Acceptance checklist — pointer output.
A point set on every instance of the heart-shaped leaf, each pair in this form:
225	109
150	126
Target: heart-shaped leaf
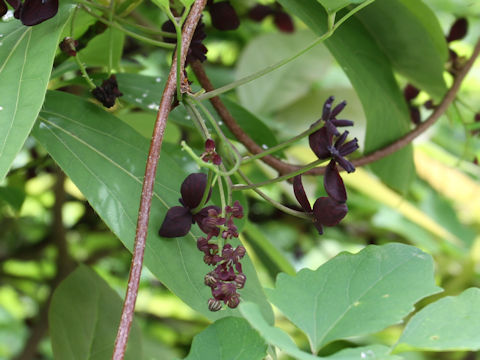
355	294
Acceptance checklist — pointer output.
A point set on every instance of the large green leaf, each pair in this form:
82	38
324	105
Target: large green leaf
106	159
277	337
355	294
411	37
26	58
449	324
371	74
228	338
145	92
83	318
284	86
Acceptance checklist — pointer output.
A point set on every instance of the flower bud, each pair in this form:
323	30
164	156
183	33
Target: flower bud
214	305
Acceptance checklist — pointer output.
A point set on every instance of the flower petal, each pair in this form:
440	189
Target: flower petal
300	194
283	22
224	16
177	222
320	141
328	212
333	183
34	12
192	189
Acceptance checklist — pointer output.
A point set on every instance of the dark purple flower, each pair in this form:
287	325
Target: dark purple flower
281	19
179	219
197	50
214	305
458	30
283	22
259	12
224	16
327	211
415	114
236	210
107	92
31	12
410	92
210	155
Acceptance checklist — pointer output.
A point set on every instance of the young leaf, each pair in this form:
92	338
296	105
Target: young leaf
355	294
449	324
228	338
106	158
26	58
371	74
83	319
277	337
417	48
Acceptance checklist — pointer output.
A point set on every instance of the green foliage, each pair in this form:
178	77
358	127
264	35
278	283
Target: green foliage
84	316
108	173
26	58
332	6
448	324
228	338
357	294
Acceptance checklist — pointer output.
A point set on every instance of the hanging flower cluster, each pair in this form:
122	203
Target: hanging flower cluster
227	276
31	12
328	143
107	92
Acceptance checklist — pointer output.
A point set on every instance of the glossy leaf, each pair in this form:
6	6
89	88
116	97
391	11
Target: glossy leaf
371	74
449	324
355	294
285	85
26	58
104	49
106	158
228	338
411	37
277	337
332	6
83	318
145	92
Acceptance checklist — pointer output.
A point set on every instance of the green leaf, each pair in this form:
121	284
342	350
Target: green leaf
228	338
410	35
162	4
26	59
99	51
449	324
83	319
277	337
13	196
355	294
282	87
105	158
371	74
332	6
145	92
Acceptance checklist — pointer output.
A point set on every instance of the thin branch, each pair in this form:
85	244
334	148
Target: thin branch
285	168
148	184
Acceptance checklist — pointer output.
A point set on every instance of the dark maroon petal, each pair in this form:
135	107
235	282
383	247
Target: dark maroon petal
3	8
410	92
259	12
320	141
209	145
328	212
34	12
337	109
327	107
348	147
341	122
318	226
224	16
331	128
345	164
333	183
283	22
170	28
300	194
458	30
177	223
14	3
415	115
192	189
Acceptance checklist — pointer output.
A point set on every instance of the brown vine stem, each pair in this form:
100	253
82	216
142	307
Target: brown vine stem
285	168
148	184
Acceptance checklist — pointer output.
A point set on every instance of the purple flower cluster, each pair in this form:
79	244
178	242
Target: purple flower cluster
328	143
227	276
107	92
31	12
